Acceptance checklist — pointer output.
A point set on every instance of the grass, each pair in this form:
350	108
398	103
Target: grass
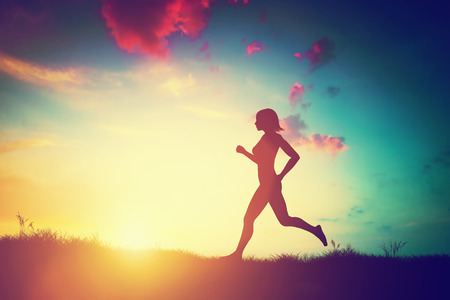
393	248
45	265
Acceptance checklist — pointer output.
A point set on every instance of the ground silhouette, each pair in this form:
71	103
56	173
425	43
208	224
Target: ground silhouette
46	265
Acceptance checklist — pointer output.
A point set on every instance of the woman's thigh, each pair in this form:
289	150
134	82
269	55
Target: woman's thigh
278	205
257	204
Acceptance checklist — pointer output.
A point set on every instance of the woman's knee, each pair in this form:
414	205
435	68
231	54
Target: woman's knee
249	220
286	220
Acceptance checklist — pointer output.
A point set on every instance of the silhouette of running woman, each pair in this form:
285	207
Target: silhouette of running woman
269	190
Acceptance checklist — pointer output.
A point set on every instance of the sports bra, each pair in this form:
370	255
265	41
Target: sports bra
265	145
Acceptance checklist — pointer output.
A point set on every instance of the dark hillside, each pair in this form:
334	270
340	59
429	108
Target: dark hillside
44	265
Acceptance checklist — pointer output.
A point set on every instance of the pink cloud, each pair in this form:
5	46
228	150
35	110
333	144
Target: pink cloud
276	35
262	17
203	53
294	128
320	53
145	27
245	2
318	50
296	93
326	143
298	55
213	68
255	46
204	47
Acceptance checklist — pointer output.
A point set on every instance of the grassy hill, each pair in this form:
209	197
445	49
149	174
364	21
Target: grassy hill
44	265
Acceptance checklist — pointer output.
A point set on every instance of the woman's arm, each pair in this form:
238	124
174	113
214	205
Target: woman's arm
240	149
294	157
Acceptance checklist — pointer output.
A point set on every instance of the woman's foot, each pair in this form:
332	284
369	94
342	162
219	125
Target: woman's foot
231	257
318	232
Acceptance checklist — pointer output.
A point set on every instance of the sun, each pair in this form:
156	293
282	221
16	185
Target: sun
133	236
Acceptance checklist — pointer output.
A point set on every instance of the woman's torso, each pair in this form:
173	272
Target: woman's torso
265	152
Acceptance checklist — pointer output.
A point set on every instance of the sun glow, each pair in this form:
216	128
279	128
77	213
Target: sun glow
133	236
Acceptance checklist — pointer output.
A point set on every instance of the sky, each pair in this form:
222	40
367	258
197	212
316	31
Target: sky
121	119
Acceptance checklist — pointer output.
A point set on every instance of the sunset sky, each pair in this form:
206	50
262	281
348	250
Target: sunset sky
121	119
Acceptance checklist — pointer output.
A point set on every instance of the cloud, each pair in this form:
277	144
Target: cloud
355	210
326	143
305	106
244	2
328	220
26	143
144	26
439	162
333	91
203	52
20	20
385	228
73	79
204	47
426	168
294	128
437	171
262	17
12	139
41	75
44	26
213	68
91	89
296	93
177	84
320	53
255	46
410	224
294	132
443	158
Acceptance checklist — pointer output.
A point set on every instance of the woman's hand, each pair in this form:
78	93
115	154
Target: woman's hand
240	149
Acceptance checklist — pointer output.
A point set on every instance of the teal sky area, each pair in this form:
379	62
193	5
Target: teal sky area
377	87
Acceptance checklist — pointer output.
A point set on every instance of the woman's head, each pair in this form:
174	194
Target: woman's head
267	120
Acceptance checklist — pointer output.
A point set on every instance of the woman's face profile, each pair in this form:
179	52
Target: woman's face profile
258	123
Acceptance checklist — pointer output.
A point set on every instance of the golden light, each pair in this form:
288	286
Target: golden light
133	236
